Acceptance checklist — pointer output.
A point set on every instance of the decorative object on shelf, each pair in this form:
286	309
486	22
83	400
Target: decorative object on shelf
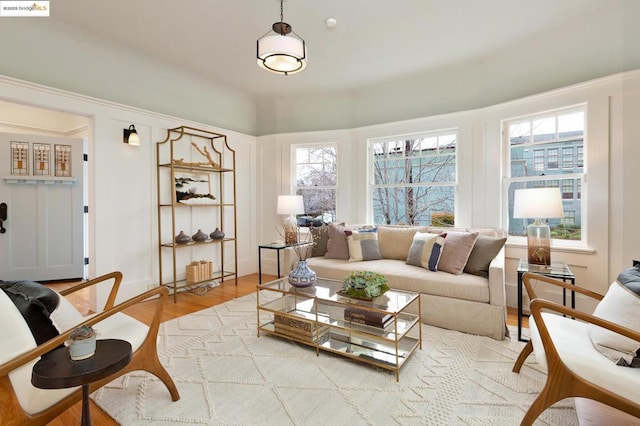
290	205
63	160
364	285
199	236
537	203
82	343
41	159
182	238
193	188
130	136
217	234
281	50
199	271
302	275
19	158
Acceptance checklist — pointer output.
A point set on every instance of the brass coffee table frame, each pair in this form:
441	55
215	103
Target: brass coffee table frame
314	316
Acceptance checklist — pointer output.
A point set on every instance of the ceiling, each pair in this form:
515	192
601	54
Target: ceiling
375	41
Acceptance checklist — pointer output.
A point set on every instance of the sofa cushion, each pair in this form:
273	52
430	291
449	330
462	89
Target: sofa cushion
337	247
456	251
320	238
621	305
483	252
363	246
407	277
425	250
395	241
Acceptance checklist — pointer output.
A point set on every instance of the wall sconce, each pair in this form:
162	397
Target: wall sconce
131	136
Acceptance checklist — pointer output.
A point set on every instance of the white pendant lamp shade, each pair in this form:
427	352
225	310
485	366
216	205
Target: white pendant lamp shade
281	50
282	54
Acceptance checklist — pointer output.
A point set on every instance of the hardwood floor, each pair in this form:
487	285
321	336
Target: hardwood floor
590	413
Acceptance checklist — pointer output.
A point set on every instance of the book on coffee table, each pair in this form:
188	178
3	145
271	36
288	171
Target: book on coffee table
361	316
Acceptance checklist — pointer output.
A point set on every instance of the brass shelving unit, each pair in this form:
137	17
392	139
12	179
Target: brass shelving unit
201	153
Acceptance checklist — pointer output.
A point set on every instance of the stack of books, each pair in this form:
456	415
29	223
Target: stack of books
304	327
362	316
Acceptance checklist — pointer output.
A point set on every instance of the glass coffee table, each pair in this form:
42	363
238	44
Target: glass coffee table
379	332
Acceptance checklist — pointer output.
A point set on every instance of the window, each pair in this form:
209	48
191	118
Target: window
567	157
413	179
567	189
316	179
560	135
552	158
538	160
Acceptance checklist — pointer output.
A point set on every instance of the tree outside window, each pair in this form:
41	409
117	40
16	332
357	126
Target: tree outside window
316	179
414	179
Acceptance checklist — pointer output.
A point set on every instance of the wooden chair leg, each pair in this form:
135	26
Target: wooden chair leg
524	354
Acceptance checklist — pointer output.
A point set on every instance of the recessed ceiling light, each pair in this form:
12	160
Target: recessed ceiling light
331	22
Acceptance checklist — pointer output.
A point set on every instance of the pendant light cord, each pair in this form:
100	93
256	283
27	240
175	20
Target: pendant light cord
281	12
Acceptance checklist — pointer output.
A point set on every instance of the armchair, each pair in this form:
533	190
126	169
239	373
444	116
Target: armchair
575	368
24	404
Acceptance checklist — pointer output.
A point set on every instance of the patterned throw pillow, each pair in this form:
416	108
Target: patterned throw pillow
425	250
363	246
621	305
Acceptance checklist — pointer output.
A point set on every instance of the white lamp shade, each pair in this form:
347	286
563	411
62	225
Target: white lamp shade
134	139
535	203
290	204
282	54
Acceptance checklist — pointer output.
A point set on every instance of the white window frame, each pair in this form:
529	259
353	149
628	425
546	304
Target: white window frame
580	176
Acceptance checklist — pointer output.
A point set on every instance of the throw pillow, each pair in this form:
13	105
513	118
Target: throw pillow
362	246
484	251
425	250
621	305
395	241
456	251
320	238
337	247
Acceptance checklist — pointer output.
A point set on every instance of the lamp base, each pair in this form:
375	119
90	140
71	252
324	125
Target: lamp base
539	243
290	230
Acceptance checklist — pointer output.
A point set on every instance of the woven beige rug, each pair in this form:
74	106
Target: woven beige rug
226	375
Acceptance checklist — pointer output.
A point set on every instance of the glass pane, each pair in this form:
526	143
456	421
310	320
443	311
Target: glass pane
519	133
569	229
553	158
570	125
319	204
544	129
417	205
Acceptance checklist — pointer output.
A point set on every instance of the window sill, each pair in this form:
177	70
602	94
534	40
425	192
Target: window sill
555	248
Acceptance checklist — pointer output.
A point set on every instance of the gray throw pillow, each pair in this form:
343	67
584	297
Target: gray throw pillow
337	247
484	251
456	251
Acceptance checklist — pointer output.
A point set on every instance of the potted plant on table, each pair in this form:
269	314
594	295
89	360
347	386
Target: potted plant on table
364	285
82	342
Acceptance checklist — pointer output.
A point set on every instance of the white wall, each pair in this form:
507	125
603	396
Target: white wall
612	103
122	183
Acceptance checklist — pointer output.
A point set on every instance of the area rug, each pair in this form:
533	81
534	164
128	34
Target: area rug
226	375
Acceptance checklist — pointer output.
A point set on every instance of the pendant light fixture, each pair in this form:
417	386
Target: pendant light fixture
281	50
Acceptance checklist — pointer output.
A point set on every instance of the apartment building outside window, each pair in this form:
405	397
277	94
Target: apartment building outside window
316	179
413	179
558	137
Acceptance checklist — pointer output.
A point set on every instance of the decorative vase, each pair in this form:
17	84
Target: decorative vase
302	275
82	349
182	238
217	234
199	236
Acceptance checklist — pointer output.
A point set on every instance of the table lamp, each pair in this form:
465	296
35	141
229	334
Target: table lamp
538	203
290	205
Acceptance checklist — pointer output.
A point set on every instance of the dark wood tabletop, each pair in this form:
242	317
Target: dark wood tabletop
57	370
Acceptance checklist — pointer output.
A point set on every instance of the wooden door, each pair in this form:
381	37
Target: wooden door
41	184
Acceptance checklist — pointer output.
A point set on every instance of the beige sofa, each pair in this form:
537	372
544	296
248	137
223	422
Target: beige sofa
465	302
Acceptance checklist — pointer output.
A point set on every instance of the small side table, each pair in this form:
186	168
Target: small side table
277	247
56	370
559	270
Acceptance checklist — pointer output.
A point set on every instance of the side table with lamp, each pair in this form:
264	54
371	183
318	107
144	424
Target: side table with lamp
539	203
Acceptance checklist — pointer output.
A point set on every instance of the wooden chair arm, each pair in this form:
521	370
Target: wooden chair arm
529	276
53	343
111	300
538	305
